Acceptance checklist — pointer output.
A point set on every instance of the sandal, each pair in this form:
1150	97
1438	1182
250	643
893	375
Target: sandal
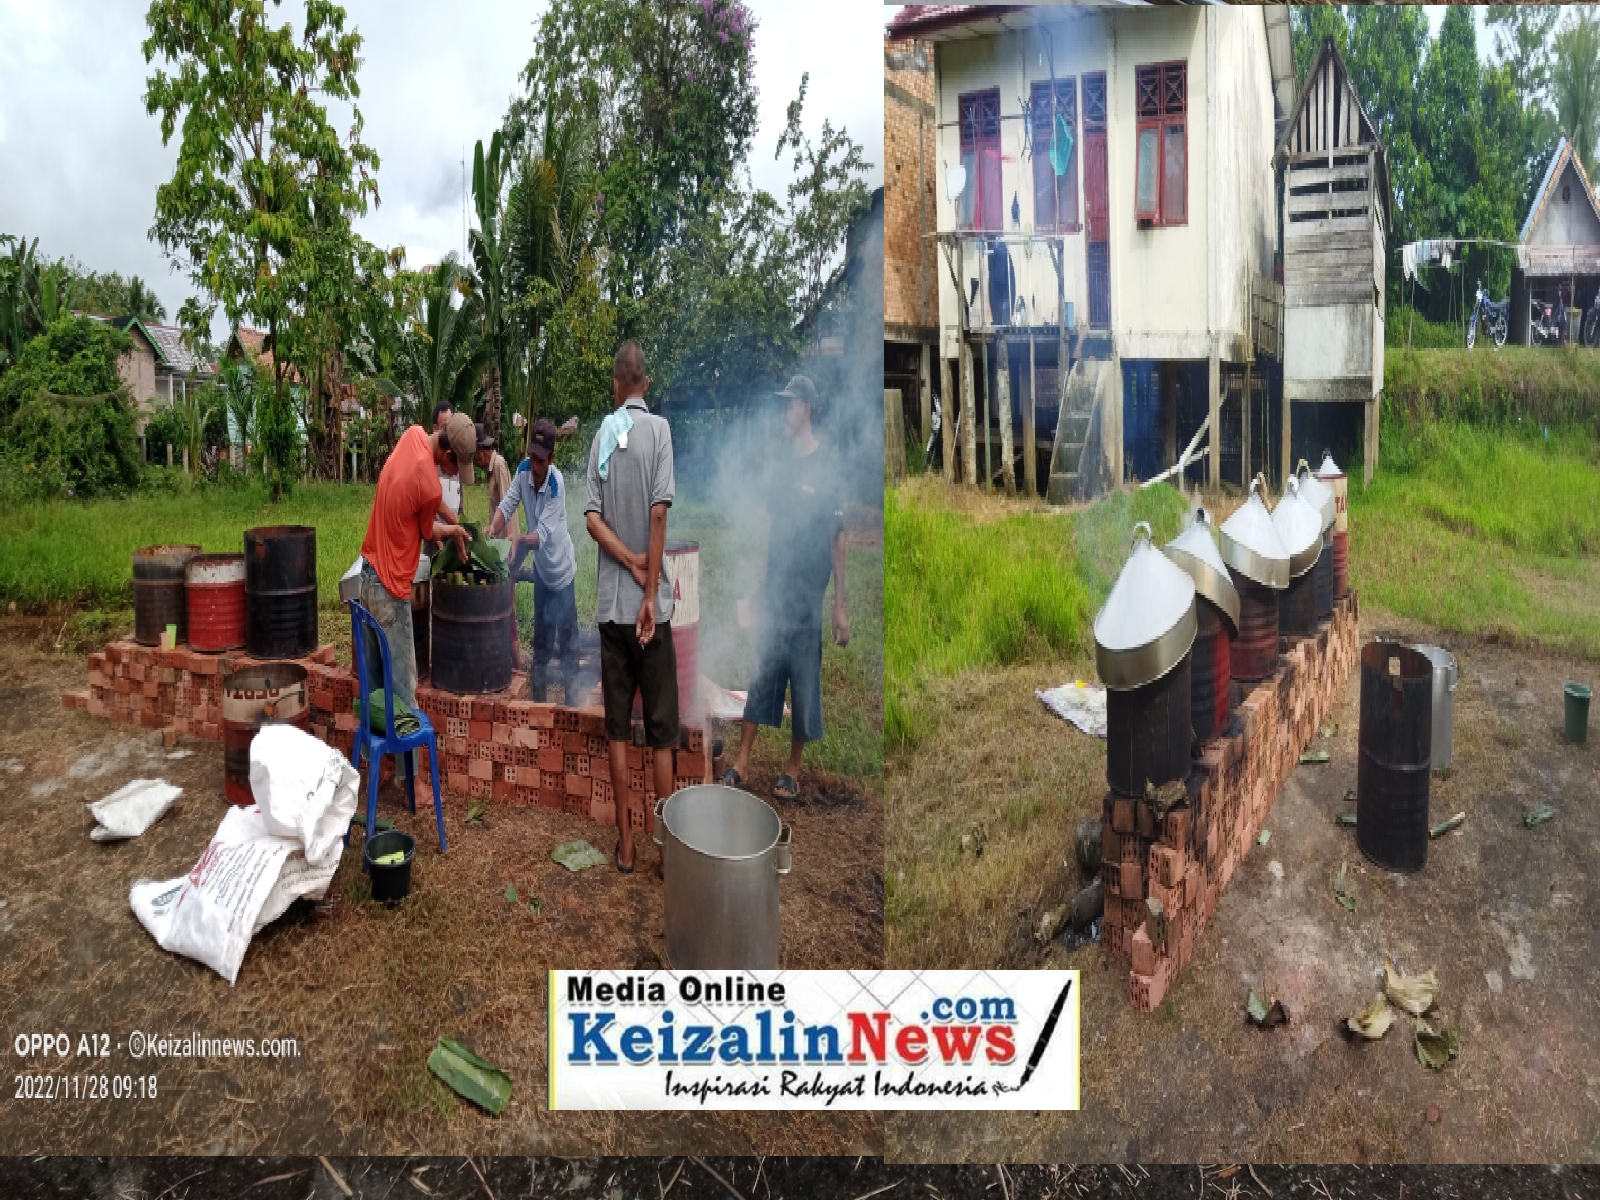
616	857
786	788
732	778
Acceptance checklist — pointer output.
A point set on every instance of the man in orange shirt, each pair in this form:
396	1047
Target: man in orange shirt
405	513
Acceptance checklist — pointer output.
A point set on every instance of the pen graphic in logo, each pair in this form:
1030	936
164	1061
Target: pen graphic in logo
1039	1047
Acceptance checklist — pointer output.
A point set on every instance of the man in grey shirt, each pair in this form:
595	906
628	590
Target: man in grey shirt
630	488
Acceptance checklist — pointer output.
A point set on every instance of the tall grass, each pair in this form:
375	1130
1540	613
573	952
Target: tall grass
1536	384
962	594
1484	530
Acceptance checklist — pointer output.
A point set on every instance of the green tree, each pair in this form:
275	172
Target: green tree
263	180
488	255
1575	83
444	350
1312	23
65	417
1523	45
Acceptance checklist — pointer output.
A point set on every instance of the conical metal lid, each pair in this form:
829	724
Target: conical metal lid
1197	554
1329	469
1148	622
1299	528
1316	493
1251	546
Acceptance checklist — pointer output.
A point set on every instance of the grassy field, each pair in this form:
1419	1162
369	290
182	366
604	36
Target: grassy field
1485	531
1532	385
994	584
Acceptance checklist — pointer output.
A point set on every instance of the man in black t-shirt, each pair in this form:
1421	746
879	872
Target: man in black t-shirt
804	548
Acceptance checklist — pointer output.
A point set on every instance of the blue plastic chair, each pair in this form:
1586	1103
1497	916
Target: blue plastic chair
391	742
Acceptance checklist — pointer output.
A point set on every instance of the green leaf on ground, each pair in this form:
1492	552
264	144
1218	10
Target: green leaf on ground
1436	1047
1346	819
485	1084
578	855
1444	827
475	812
1313	758
1538	816
1264	837
1349	795
511	895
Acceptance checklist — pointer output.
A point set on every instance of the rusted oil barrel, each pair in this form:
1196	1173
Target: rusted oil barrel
1336	480
1396	743
158	599
1149	732
470	632
1254	655
1341	564
420	641
214	590
280	585
1297	605
1210	666
263	694
1324	578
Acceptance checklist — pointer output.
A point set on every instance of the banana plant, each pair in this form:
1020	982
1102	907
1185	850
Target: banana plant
488	255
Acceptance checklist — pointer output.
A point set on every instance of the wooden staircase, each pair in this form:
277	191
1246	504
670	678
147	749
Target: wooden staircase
1072	432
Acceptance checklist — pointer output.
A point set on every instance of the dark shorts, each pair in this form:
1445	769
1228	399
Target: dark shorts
791	660
652	671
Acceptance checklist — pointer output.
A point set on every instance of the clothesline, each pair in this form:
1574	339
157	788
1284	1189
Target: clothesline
1430	251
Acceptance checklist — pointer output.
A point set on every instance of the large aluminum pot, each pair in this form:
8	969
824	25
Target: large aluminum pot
722	851
1444	703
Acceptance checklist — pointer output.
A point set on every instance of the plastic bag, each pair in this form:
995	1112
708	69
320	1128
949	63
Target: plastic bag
132	809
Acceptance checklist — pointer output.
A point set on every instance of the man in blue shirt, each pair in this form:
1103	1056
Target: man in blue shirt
537	488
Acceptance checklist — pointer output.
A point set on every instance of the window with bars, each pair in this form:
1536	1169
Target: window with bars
980	156
1055	134
1161	186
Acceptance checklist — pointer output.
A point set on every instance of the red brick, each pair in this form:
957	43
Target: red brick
549	798
502	790
603	811
480	731
553	781
552	760
480	768
1123	817
501	733
1147	991
1142	953
577	785
1131	881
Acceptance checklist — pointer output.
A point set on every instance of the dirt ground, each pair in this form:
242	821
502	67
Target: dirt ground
766	1179
1502	913
363	990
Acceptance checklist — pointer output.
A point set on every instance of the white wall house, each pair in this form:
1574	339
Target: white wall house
1163	222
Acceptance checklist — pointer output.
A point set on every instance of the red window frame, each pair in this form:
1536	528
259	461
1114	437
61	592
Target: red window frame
979	114
1063	195
1161	104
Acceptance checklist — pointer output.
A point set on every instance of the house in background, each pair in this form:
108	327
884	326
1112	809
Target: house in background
1106	229
1558	249
1337	206
160	368
910	256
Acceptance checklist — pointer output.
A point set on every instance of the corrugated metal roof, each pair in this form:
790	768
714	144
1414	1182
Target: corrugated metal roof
169	340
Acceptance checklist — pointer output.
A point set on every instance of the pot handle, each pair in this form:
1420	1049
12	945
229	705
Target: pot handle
781	858
1148	536
655	822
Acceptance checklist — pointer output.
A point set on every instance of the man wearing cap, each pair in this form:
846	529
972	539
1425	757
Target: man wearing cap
495	471
538	489
405	513
630	488
804	548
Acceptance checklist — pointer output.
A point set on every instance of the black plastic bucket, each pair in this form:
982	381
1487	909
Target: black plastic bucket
1149	732
390	884
1396	745
280	591
471	648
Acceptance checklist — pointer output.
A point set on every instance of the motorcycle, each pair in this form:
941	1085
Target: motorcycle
1548	323
1589	331
1495	319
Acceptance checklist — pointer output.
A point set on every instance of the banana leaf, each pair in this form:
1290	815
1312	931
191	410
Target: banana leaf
470	1077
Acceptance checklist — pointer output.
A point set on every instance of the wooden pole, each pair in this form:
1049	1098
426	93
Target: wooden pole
1008	461
948	405
1030	448
1244	425
988	440
1371	456
969	417
894	437
1214	387
1283	456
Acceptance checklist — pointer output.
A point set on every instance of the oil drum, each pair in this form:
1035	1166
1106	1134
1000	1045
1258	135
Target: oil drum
1254	655
214	588
1149	732
263	694
280	586
158	592
470	631
1211	697
420	641
1396	744
1297	605
1324	581
1341	564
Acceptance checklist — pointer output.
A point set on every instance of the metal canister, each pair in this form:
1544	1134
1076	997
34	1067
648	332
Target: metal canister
1256	558
214	589
1217	624
722	853
263	694
158	592
1330	474
1299	527
280	585
1396	745
470	623
1444	703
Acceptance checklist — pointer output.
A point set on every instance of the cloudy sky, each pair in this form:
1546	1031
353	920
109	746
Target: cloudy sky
80	161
